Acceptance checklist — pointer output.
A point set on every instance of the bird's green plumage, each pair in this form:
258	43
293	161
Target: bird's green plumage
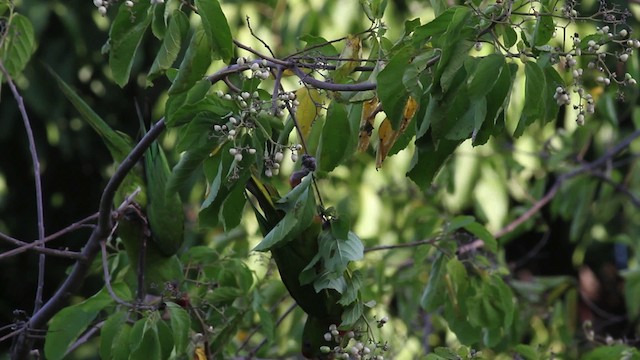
291	259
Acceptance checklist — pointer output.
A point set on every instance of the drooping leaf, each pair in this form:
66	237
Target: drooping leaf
145	343
335	134
194	65
534	102
310	102
171	45
217	29
434	294
109	332
125	37
17	46
392	93
485	75
180	326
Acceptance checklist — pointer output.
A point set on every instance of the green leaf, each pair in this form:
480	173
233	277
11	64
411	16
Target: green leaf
429	158
483	234
268	324
354	283
125	37
189	163
70	322
119	144
231	211
180	326
120	348
109	333
434	294
171	45
18	45
144	340
485	75
335	134
534	102
527	352
338	253
299	205
618	351
194	104
436	27
509	36
392	92
194	65
543	30
352	314
217	29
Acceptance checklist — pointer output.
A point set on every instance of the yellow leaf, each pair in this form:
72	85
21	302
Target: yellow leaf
352	51
366	123
199	354
310	103
388	136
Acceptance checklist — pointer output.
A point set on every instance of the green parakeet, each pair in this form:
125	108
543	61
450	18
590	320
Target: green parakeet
291	259
155	215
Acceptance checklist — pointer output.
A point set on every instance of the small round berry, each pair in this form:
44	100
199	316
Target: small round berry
325	349
217	127
298	146
232	132
624	57
478	46
97	3
227	96
245	95
233	120
294	156
605	29
255	66
580	119
632	81
240	61
277	157
334	332
233	151
591	43
327	336
623	33
276	171
219	93
238	157
333	327
243	104
129	3
102	10
268	173
607	81
252	151
600	79
256	95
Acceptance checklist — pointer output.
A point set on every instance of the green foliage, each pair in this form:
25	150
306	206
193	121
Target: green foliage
453	89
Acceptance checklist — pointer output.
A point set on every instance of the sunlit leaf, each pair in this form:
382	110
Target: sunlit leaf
366	123
18	45
195	63
310	102
217	29
171	45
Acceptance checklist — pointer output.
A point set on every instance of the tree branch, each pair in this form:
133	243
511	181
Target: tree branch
22	344
37	180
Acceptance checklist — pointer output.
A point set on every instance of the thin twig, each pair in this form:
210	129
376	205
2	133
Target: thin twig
38	183
403	245
85	337
24	246
258	38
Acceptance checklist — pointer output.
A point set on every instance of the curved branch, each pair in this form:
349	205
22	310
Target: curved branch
22	344
308	79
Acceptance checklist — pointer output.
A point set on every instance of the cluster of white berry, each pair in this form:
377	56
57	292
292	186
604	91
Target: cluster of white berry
595	47
352	347
259	69
103	5
272	161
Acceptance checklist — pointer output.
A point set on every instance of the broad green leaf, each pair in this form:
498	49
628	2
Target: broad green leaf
435	293
352	314
509	36
429	158
543	30
616	351
144	340
194	65
436	27
180	326
470	122
18	45
125	37
217	29
459	222
459	53
391	92
171	45
120	348
335	134
194	104
189	163
319	44
299	205
109	333
231	211
534	102
70	322
223	295
338	253
119	144
485	75
452	44
354	283
483	234
165	338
